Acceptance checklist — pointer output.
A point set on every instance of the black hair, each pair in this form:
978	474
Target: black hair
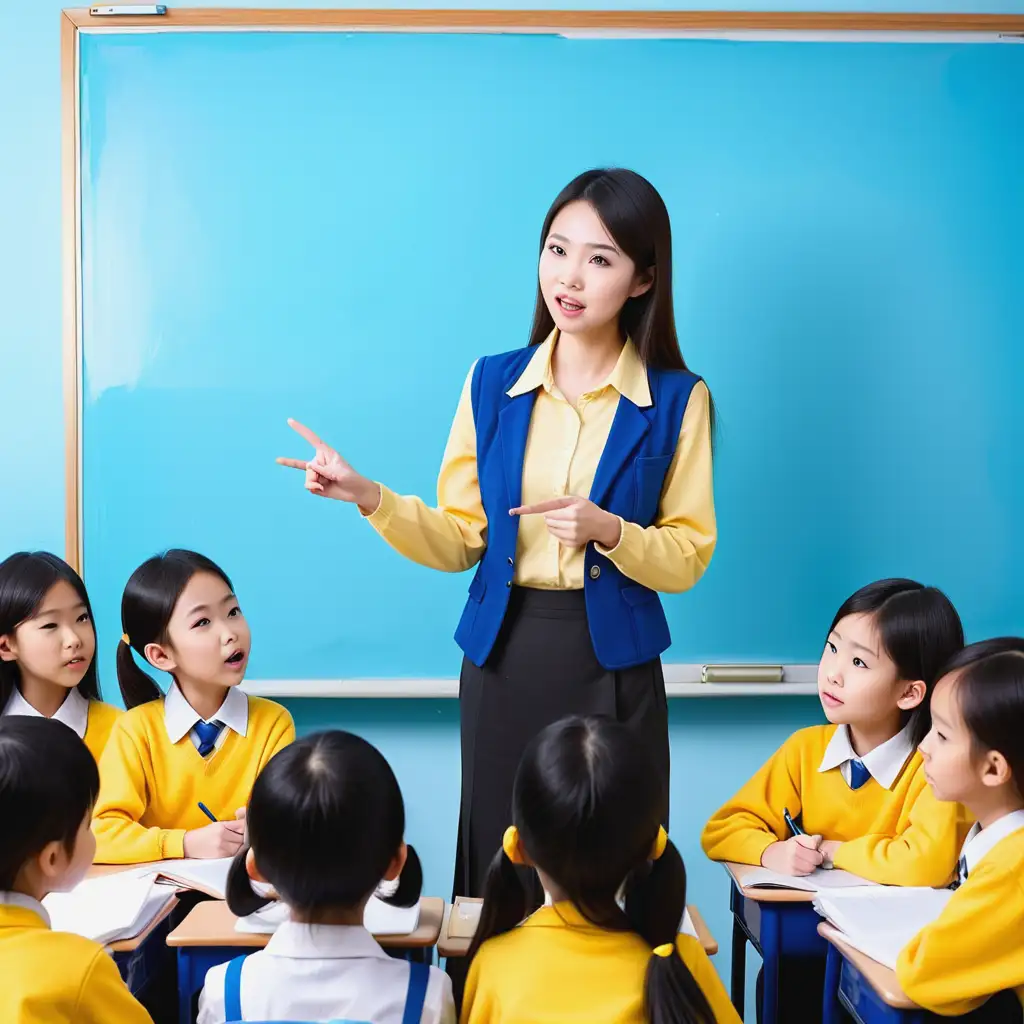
48	784
990	692
919	629
146	608
324	821
25	579
588	803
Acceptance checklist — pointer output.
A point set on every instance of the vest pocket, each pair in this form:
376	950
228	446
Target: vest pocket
650	479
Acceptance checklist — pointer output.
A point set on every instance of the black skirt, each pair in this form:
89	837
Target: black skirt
542	668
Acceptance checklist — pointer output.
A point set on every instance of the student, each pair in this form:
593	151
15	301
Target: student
48	784
205	741
857	784
326	825
48	647
974	755
587	807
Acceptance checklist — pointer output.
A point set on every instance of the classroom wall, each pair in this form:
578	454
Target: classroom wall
716	743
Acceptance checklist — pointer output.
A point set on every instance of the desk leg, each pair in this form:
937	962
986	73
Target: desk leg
831	1011
771	952
185	987
739	965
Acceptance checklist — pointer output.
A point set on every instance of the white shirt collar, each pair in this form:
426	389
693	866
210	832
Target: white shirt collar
297	941
884	762
180	716
19	899
74	712
980	840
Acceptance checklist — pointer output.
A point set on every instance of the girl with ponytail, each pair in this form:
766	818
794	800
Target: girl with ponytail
174	760
326	829
586	810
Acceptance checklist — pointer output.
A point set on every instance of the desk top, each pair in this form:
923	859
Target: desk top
459	946
212	924
737	872
130	945
878	976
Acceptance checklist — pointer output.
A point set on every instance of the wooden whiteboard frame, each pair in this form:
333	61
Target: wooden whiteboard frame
709	23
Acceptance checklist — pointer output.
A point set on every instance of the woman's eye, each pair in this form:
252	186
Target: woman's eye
234	611
200	622
857	663
831	646
601	261
48	625
941	736
557	250
84	617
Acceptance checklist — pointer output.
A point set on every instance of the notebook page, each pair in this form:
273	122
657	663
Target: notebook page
763	878
881	921
208	876
108	908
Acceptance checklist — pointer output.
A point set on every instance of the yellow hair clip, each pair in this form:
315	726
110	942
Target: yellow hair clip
666	951
125	640
510	844
660	842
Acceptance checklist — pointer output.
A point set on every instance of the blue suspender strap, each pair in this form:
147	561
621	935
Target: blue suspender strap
233	989
419	975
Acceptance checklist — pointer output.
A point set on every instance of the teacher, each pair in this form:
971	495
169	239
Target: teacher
577	478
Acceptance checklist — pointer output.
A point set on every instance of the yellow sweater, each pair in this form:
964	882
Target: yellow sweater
557	967
976	947
97	730
150	789
58	978
897	836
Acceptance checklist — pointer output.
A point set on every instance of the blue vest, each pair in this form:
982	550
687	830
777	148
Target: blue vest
627	622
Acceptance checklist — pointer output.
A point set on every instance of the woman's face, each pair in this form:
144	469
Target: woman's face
584	277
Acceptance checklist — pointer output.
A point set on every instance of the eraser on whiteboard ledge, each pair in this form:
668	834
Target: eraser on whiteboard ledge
741	674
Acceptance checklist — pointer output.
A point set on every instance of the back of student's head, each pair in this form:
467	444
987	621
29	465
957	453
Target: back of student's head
587	803
919	629
48	784
25	579
146	608
990	692
325	822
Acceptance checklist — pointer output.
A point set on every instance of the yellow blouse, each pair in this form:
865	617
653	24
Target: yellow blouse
562	453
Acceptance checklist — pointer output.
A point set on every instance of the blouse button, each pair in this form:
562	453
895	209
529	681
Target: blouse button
595	572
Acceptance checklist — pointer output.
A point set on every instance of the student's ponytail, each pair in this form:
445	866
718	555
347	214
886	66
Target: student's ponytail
136	686
410	883
504	902
146	608
242	898
655	904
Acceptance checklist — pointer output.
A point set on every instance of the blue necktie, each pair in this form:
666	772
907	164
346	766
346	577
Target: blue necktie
207	733
858	773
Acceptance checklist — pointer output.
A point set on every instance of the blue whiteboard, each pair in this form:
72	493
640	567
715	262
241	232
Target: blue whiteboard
334	226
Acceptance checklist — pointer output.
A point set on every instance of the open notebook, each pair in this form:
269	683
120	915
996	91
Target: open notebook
762	878
881	921
110	908
206	876
379	919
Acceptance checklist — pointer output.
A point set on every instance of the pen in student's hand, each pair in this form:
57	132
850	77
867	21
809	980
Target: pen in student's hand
793	826
206	810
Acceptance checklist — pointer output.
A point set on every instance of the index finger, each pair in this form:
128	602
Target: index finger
303	431
541	506
293	463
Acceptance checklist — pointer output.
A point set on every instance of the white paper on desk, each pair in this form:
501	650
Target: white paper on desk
880	921
379	919
762	878
208	876
108	908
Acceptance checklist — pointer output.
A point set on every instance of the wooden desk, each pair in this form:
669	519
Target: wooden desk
778	923
207	937
448	946
867	990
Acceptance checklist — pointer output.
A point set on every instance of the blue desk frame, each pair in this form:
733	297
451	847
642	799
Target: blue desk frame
775	930
139	966
846	988
195	961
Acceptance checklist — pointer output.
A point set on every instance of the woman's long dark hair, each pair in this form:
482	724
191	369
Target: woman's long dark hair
25	579
588	802
636	217
919	629
990	692
325	820
146	608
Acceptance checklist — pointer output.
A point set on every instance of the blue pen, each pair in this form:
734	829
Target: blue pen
793	826
213	817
